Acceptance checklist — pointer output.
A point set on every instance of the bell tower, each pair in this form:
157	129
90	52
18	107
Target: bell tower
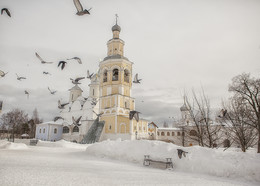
115	72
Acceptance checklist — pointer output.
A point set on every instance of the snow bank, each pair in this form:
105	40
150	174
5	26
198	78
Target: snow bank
12	146
217	162
62	143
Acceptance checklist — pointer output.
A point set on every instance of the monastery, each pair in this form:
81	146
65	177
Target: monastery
109	94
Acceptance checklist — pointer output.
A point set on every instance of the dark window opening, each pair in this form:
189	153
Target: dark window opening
105	76
66	129
115	75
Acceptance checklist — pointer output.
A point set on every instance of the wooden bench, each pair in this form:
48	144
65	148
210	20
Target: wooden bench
148	160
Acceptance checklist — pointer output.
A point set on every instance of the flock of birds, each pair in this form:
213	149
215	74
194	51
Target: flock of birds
77	4
62	64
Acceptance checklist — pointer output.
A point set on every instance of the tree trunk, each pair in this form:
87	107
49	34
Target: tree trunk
258	145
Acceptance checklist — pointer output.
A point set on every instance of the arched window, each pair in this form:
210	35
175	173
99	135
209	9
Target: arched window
40	131
178	133
162	133
158	133
55	131
193	133
183	134
66	129
126	75
105	76
115	75
43	130
173	134
168	133
75	129
126	104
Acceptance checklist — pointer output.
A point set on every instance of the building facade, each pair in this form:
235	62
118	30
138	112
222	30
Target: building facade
115	93
110	95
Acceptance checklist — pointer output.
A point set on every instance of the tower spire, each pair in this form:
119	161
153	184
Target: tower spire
116	18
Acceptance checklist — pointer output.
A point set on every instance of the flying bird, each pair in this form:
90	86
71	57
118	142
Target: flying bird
89	75
98	115
52	92
26	92
134	114
94	101
62	63
2	73
57	117
76	121
42	61
6	10
223	113
20	77
76	58
181	152
76	81
80	8
61	106
46	73
136	80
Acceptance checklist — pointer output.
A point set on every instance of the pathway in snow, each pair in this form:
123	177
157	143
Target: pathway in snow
66	166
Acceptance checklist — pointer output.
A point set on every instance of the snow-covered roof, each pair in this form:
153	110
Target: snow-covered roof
58	122
24	135
76	87
173	128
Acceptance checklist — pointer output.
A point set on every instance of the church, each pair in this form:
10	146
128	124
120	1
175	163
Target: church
109	94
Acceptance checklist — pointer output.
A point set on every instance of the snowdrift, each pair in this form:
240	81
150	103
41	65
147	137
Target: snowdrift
216	162
62	143
12	146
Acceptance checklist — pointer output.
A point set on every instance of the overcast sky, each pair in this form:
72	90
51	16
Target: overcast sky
175	45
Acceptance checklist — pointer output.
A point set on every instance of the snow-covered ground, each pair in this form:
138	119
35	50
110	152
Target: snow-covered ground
121	163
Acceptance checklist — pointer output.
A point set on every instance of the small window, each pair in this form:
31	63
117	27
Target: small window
66	129
76	129
55	131
162	133
178	133
168	133
105	76
93	92
40	131
126	76
183	134
43	131
115	75
110	127
173	134
158	133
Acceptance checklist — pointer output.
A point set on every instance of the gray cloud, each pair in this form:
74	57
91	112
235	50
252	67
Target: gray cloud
175	46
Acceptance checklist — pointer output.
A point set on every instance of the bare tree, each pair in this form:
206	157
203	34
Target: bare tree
14	120
235	119
201	129
247	91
